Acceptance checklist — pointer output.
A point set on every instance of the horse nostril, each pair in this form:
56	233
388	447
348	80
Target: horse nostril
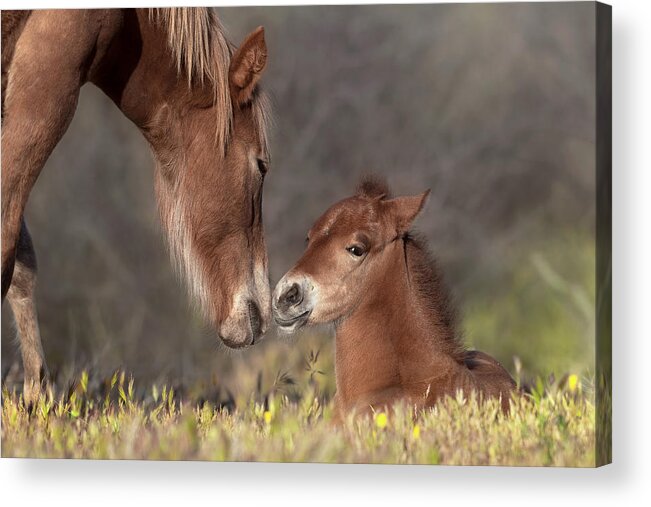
255	319
293	295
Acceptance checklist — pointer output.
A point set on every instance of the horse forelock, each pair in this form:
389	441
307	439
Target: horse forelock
198	43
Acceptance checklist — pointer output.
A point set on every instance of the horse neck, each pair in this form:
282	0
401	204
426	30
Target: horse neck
390	338
139	73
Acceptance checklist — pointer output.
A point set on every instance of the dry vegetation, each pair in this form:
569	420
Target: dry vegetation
553	426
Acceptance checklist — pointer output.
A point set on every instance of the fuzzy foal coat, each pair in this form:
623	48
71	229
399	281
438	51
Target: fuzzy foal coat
401	343
396	336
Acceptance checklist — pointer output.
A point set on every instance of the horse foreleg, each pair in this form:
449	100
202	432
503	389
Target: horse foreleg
43	81
23	305
27	141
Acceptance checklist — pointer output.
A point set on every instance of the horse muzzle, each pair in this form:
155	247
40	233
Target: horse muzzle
245	326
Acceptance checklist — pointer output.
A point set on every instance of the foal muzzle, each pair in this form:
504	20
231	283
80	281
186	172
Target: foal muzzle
292	303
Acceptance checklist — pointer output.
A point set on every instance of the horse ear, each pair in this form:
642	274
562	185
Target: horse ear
404	210
247	65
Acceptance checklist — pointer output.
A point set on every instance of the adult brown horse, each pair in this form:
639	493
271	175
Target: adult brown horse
395	327
196	100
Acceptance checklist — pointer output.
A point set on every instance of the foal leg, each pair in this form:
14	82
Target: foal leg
23	306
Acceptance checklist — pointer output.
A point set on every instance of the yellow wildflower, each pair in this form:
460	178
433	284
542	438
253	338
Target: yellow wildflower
267	416
573	382
381	420
416	432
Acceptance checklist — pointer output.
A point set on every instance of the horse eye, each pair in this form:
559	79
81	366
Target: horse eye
356	250
262	167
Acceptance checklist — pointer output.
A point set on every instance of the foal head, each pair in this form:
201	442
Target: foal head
349	249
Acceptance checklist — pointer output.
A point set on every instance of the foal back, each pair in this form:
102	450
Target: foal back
491	379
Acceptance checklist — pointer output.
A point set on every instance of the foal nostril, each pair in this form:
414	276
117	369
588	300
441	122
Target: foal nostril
292	296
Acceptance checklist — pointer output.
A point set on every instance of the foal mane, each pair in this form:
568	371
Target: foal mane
425	276
434	295
203	54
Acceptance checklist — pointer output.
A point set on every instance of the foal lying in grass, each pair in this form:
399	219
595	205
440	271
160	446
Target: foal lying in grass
396	337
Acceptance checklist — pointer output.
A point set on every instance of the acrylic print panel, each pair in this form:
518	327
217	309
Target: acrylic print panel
432	281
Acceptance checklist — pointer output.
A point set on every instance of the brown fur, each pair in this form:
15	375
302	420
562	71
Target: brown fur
196	100
396	332
12	26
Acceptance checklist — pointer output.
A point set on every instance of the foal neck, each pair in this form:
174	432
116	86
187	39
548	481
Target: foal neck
392	339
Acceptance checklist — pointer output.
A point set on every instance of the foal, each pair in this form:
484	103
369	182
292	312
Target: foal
396	337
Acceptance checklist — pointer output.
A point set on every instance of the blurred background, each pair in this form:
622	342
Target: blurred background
490	106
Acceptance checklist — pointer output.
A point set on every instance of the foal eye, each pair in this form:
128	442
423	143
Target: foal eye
356	250
262	167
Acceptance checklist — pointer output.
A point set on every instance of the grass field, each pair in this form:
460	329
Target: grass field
553	426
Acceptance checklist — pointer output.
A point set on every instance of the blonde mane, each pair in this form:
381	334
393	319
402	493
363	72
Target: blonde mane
203	54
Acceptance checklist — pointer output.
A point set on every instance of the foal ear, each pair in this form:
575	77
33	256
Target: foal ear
247	65
403	210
